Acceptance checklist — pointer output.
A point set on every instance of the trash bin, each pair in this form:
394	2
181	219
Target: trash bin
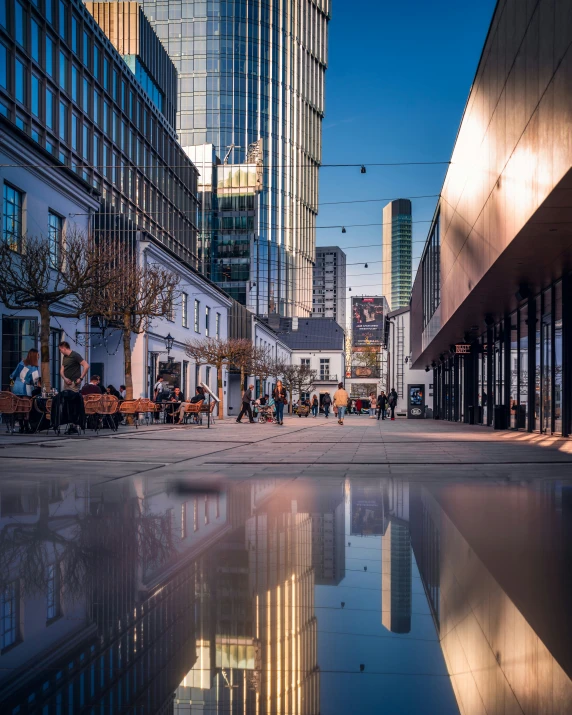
499	417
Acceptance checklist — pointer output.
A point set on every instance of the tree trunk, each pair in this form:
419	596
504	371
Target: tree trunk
220	393
45	344
127	356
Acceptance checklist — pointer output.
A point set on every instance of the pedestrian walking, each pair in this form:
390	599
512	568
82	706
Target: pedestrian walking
280	396
341	400
381	405
392	402
372	403
315	406
326	404
359	405
246	408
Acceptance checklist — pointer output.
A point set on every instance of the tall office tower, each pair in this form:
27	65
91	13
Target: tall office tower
396	253
329	291
250	71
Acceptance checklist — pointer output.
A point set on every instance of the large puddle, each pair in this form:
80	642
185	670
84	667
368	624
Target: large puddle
355	596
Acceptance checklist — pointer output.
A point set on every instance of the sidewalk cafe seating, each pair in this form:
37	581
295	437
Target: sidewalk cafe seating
206	408
67	408
101	408
132	408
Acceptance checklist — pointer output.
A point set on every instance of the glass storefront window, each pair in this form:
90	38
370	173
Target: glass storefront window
537	362
523	409
513	376
558	358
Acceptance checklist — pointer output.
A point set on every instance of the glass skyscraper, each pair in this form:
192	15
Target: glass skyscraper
253	70
396	253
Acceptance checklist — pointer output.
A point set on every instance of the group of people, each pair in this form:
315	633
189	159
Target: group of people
386	404
175	400
276	403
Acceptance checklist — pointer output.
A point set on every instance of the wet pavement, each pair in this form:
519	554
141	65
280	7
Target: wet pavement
405	567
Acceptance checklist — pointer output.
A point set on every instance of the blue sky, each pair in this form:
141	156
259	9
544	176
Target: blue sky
398	77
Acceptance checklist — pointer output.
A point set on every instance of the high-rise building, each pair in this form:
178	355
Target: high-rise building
396	253
329	290
251	72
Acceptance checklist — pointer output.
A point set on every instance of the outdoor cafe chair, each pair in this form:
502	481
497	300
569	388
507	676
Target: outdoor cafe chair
132	408
91	405
192	408
206	408
8	408
108	408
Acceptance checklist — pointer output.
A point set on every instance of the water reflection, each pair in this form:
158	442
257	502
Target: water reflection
284	597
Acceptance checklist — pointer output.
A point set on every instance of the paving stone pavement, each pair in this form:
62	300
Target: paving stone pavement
414	449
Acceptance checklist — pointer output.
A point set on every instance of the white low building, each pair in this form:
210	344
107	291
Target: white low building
318	343
38	202
200	312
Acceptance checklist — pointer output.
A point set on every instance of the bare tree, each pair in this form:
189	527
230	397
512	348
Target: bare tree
219	354
44	276
264	365
244	359
298	378
136	295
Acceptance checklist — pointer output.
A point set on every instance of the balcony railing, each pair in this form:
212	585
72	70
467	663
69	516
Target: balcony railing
327	377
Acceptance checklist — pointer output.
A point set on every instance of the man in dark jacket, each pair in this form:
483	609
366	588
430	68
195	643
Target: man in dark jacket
326	404
392	402
381	405
246	408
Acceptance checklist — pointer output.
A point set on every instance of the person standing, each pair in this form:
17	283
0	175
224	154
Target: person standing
341	400
381	405
74	367
326	404
372	404
359	405
280	396
246	408
26	374
392	402
315	406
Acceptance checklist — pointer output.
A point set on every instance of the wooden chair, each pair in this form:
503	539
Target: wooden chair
206	408
108	408
91	405
8	405
131	408
192	408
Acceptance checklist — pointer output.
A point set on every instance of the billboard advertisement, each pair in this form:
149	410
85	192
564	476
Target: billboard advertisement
367	510
367	321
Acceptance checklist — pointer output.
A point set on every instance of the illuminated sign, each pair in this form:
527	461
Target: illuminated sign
462	349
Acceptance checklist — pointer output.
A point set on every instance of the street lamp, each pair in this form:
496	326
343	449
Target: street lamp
169	342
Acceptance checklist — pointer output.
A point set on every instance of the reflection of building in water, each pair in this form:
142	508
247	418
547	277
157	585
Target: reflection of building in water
328	547
396	558
366	509
495	563
110	608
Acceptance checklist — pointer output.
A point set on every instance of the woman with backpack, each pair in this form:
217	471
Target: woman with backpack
315	406
326	404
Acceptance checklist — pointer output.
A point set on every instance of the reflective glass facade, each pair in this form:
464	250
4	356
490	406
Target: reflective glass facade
66	86
251	70
396	253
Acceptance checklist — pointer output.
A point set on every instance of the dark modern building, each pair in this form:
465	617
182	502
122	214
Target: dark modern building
252	71
396	253
492	299
65	85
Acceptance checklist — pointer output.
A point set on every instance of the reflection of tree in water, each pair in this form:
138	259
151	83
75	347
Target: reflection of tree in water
89	546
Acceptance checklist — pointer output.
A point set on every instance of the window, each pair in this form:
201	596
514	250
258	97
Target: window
12	217
324	368
35	41
49	109
217	505
20	82
62	20
18	336
184	520
75	132
63	121
63	71
35	99
55	235
196	515
206	509
10	615
305	362
85	146
197	316
3	66
85	49
217	326
74	34
19	24
53	603
185	310
49	56
207	320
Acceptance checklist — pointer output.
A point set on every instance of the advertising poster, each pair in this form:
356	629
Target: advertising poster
367	510
367	321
